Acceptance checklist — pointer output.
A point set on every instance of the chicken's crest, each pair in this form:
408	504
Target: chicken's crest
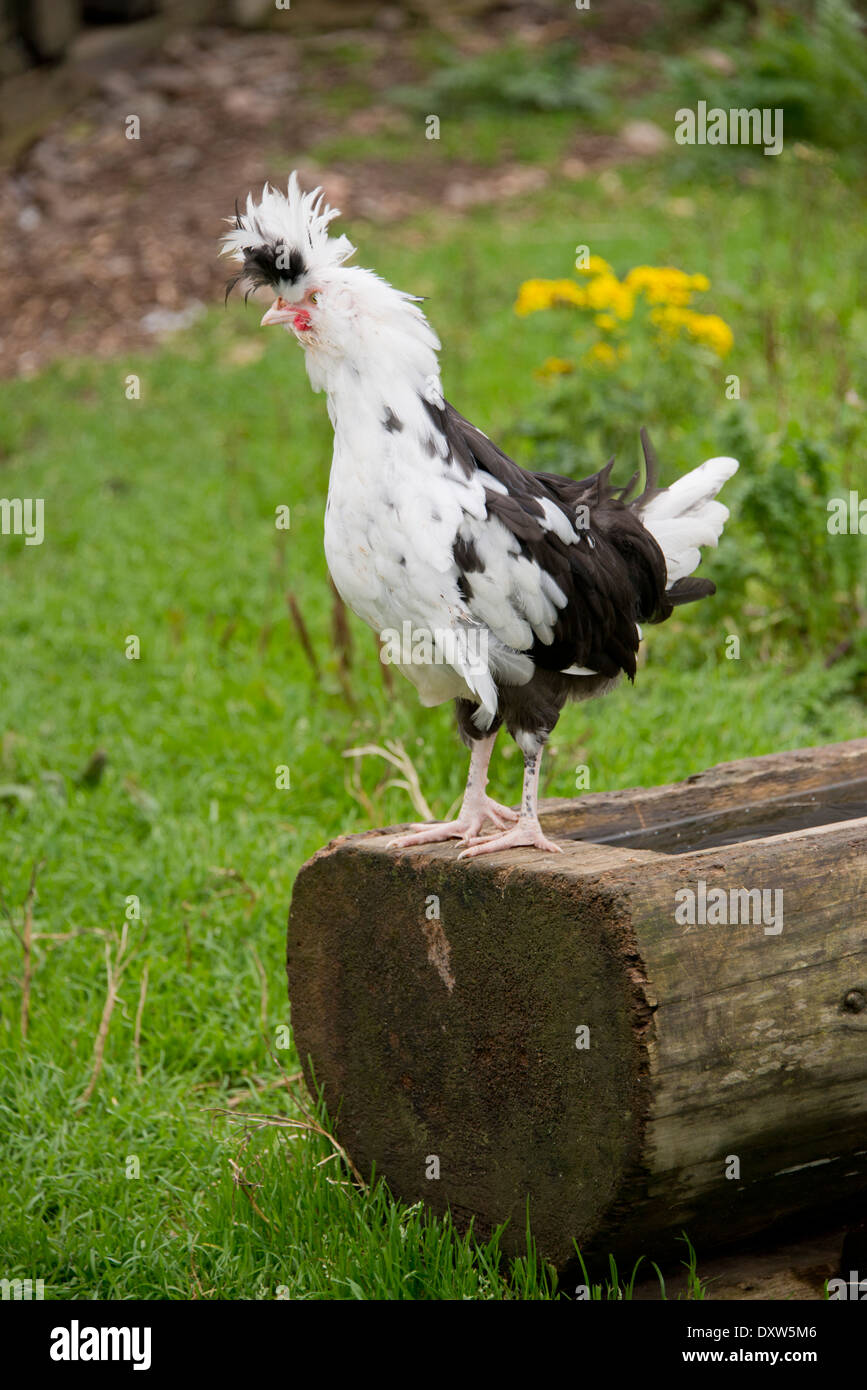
283	239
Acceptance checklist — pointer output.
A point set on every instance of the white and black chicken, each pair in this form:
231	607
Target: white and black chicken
531	586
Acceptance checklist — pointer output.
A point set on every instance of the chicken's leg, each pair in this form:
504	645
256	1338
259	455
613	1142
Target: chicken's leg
476	807
527	831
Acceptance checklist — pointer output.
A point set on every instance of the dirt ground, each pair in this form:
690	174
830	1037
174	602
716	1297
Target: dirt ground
108	242
794	1271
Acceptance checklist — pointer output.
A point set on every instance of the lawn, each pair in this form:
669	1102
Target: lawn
160	525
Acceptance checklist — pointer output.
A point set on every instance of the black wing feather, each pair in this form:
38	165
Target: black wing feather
613	577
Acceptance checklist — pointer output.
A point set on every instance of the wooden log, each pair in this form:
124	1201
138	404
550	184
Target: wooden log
720	1086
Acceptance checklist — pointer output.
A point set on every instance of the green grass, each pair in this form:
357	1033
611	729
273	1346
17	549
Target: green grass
486	138
618	1287
160	523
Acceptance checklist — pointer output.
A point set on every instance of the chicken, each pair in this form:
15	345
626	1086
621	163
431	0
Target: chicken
518	591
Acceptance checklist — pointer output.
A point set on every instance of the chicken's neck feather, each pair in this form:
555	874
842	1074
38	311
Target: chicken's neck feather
376	360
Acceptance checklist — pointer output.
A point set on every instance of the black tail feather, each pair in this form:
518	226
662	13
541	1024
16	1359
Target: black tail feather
688	590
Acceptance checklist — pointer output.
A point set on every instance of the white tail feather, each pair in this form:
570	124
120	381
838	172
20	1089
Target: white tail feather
685	516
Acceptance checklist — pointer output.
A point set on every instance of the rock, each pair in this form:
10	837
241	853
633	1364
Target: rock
680	207
717	61
644	137
574	168
511	183
248	104
29	218
520	178
336	187
249	14
162	322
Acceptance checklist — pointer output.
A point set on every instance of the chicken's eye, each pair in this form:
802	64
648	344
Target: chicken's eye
314	298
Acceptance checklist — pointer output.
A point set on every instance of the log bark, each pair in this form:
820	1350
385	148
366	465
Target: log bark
722	1089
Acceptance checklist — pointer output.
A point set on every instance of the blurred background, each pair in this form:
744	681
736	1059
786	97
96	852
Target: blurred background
515	163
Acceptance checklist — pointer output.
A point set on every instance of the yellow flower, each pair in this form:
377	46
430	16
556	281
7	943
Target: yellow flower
595	266
607	292
669	320
544	294
665	284
555	366
708	329
603	353
533	295
668	291
711	330
567	292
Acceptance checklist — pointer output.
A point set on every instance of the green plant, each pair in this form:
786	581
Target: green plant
626	348
796	575
616	1290
513	77
811	63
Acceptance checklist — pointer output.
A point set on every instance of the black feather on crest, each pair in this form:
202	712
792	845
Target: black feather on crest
268	263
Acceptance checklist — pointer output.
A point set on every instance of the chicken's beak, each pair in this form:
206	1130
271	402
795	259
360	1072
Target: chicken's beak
280	312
